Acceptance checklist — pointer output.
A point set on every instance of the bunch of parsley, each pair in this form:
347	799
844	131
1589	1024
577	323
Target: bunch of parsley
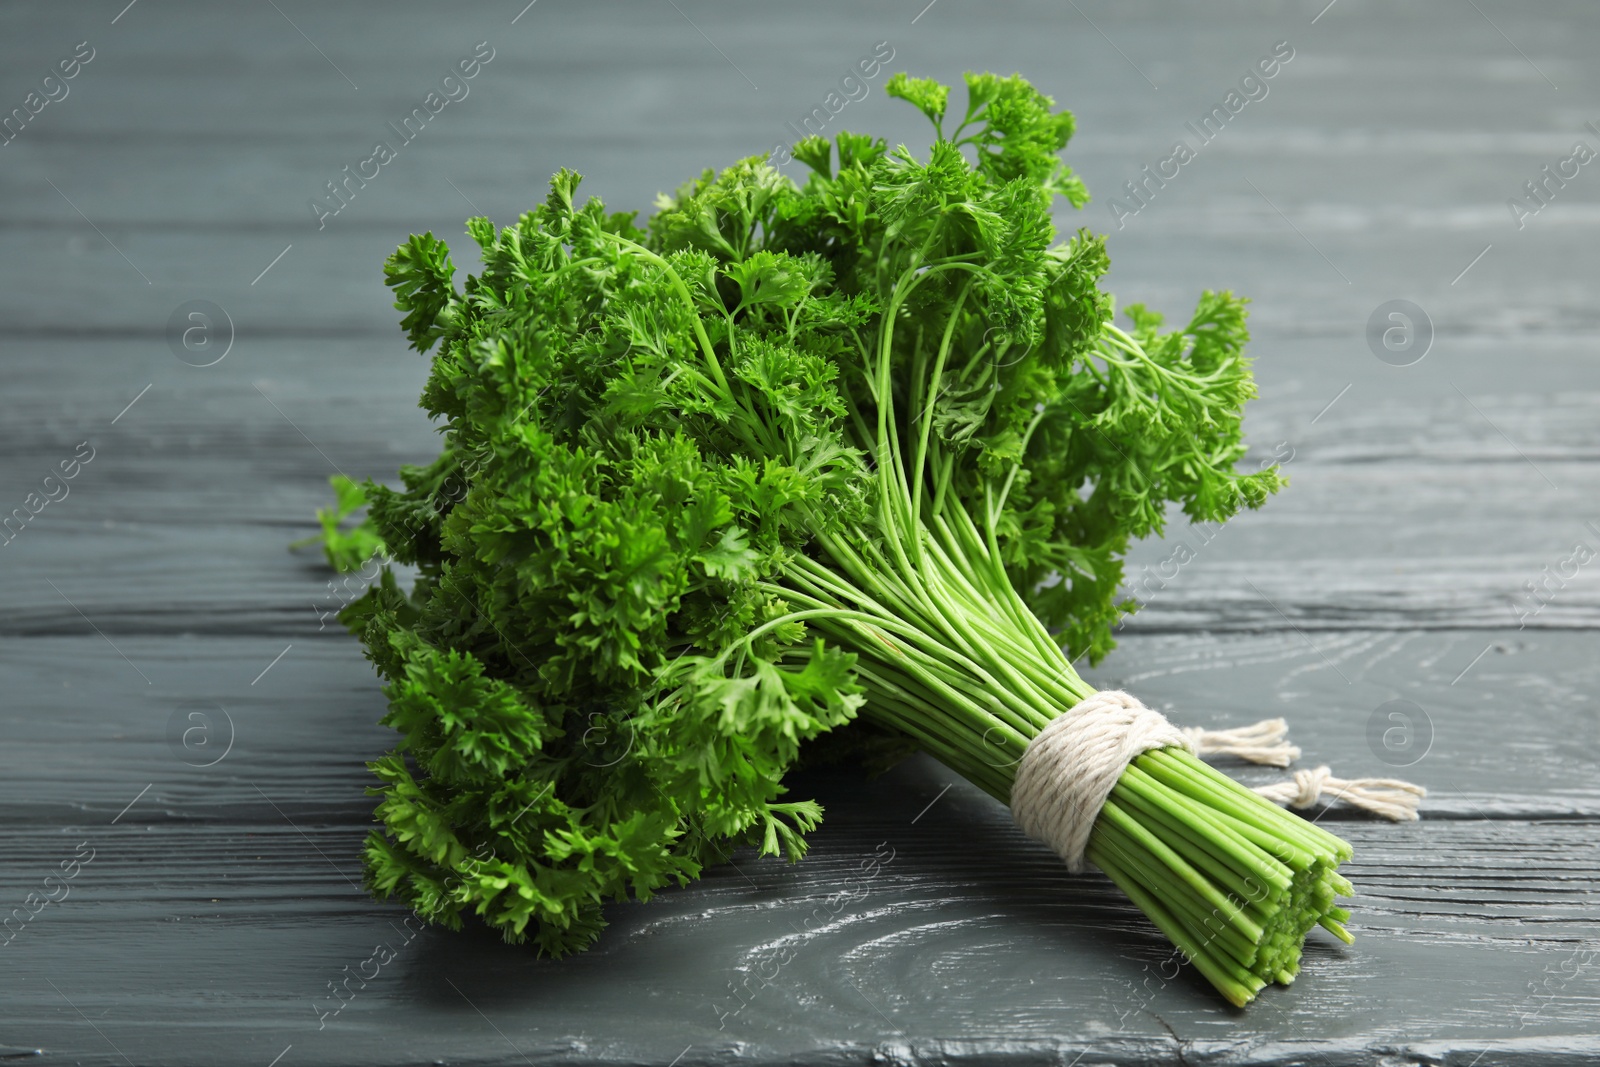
784	457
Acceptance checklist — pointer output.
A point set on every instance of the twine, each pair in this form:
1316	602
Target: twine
1265	742
1389	797
1069	769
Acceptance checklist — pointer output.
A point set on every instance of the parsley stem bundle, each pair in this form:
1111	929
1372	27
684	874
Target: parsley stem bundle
951	656
844	463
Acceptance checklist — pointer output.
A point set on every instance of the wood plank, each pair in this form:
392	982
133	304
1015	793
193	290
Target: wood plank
206	929
1407	507
1516	738
1404	196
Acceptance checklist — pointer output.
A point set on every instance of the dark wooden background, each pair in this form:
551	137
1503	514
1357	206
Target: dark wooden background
222	900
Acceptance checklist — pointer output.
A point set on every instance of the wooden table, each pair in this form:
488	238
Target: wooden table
177	705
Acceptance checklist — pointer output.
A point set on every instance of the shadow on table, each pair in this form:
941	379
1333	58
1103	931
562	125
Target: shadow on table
955	882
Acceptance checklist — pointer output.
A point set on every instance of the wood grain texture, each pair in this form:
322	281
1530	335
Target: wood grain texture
159	597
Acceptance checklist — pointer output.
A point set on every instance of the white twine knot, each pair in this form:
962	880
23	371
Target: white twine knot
1388	797
1069	769
1265	742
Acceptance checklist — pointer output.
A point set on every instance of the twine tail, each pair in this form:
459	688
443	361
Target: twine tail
1391	798
1265	742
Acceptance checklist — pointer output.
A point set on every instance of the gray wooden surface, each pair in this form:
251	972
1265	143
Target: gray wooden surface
221	902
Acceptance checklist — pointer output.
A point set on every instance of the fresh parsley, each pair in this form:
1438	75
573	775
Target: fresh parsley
782	458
